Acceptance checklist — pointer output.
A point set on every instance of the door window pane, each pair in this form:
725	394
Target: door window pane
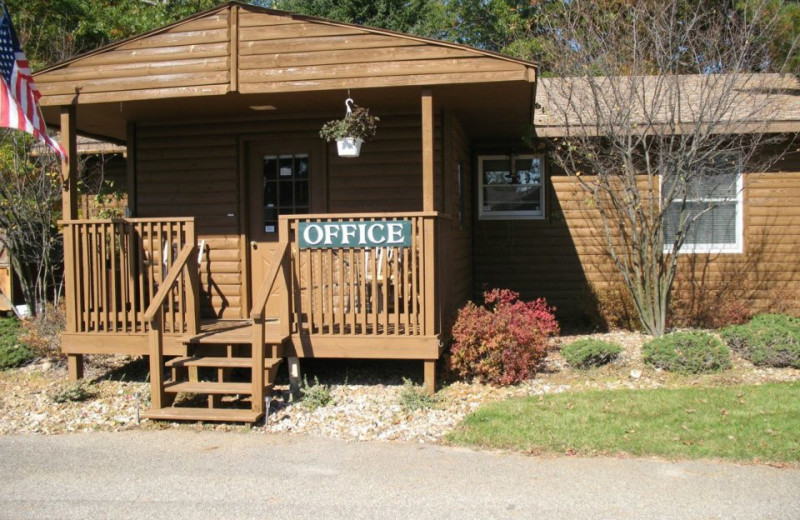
286	190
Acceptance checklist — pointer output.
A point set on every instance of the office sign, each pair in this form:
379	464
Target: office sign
353	235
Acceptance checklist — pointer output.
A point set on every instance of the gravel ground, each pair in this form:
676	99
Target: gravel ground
366	396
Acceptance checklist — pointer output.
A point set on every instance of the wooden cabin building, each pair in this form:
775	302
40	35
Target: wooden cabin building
250	240
221	115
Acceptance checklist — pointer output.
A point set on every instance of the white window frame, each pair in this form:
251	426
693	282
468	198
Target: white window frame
738	246
512	214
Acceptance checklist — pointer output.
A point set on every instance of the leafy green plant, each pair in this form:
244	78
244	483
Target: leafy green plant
413	398
767	340
316	395
357	124
589	352
687	352
13	353
74	392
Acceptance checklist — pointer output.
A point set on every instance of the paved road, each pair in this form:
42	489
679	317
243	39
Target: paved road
180	474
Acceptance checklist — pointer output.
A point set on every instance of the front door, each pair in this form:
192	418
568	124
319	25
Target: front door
285	178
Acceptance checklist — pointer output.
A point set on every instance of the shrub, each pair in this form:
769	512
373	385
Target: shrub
769	339
587	353
74	392
610	308
687	352
13	353
316	395
504	341
697	306
413	398
42	333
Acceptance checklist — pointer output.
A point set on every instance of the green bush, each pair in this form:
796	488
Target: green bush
587	353
316	395
12	352
74	392
413	398
768	340
687	352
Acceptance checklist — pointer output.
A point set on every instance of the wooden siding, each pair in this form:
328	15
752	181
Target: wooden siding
388	174
186	170
192	170
458	256
283	53
558	257
191	58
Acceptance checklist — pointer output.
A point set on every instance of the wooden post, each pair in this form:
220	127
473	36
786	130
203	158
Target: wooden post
130	165
427	151
294	374
156	338
286	301
430	376
257	376
192	295
69	166
69	205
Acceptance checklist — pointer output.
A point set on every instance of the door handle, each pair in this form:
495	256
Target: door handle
253	244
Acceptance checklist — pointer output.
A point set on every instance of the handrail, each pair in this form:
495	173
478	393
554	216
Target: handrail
172	276
259	307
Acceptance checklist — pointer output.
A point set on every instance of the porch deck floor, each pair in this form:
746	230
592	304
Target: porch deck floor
233	332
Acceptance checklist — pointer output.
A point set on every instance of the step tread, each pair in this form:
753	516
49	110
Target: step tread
218	362
209	387
203	414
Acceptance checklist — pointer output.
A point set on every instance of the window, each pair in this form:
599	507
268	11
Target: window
285	182
511	187
716	194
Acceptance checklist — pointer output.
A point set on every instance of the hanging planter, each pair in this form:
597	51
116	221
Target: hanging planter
351	131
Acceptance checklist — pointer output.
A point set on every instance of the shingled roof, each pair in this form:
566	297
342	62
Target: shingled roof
759	102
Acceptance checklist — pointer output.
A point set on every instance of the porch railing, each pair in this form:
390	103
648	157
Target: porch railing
113	269
379	291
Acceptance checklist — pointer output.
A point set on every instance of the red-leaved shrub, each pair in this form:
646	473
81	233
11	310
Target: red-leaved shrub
504	341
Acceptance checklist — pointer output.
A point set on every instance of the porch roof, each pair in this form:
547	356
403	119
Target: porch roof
239	60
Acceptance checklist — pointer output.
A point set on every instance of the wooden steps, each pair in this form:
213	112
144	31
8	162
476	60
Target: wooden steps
203	414
222	353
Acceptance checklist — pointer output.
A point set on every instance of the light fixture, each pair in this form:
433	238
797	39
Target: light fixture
261	108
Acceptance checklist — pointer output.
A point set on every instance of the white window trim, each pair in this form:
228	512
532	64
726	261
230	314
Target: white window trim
514	214
735	248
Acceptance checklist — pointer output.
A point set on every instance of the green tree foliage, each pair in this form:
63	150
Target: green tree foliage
429	18
55	30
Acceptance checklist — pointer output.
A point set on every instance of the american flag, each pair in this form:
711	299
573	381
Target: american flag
18	92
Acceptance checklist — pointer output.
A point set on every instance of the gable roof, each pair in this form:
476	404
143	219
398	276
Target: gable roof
249	49
758	102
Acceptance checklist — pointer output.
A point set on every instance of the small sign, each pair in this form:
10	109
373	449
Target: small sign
353	235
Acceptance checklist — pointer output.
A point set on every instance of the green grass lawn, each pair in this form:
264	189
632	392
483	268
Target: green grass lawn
744	423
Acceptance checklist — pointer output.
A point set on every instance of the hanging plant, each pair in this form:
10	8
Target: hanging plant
349	132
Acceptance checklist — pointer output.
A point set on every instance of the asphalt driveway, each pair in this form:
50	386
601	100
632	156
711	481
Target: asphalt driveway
184	474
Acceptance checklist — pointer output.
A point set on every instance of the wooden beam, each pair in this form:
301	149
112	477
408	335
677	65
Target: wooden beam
428	201
234	46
